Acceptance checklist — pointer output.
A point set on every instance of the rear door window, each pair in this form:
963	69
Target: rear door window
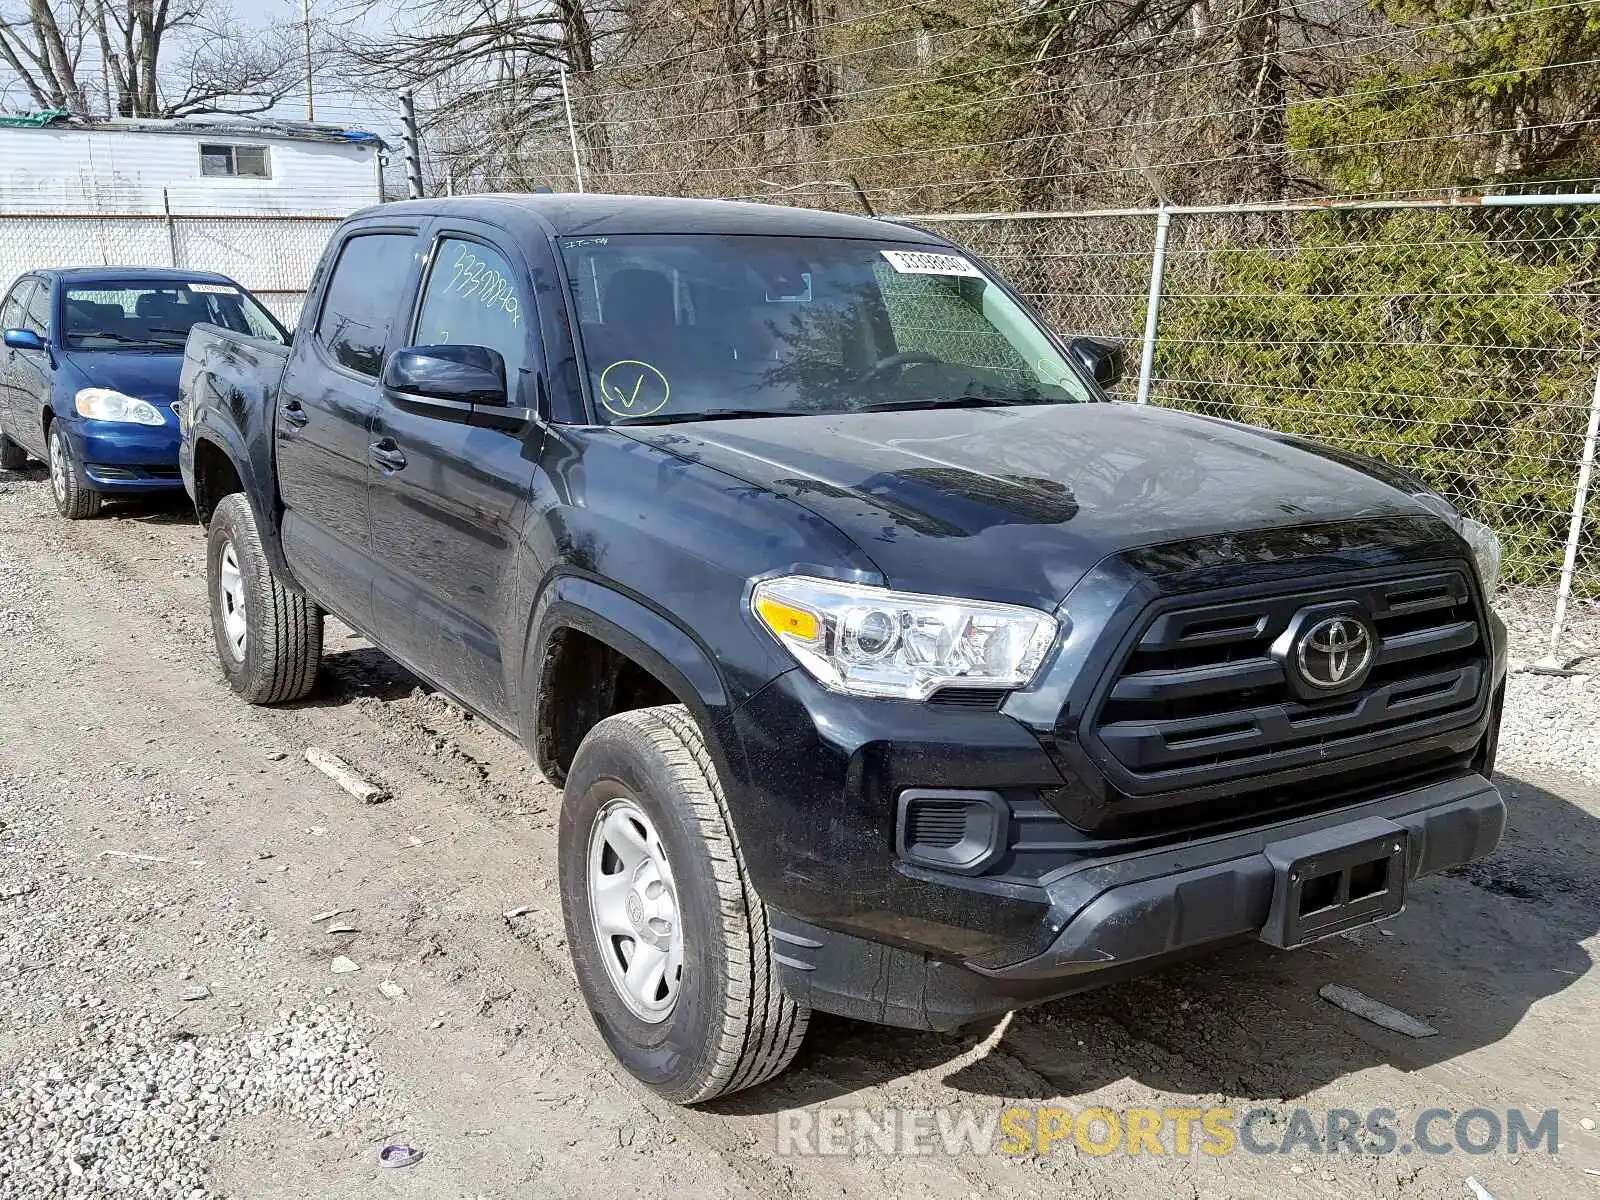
472	298
362	298
15	304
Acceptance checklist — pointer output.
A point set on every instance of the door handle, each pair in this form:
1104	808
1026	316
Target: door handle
387	455
294	413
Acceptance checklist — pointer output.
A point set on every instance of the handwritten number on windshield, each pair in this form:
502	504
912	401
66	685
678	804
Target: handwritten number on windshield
474	278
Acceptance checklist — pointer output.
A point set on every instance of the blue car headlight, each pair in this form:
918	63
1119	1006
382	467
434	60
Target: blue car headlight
106	404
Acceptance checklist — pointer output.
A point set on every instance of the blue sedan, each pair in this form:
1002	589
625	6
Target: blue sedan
90	373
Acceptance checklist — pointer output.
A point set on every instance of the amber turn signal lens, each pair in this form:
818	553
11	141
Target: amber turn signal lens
784	618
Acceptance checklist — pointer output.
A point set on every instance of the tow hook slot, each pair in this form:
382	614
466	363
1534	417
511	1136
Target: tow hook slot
1335	879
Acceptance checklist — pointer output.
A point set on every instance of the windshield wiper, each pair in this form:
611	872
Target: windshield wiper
711	414
113	337
955	402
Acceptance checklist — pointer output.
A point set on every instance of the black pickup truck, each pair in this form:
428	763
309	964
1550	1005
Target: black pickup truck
890	668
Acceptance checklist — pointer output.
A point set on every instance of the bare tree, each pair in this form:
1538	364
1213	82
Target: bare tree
493	69
44	53
228	69
159	58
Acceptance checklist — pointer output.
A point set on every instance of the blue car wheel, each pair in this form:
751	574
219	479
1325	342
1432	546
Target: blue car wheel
74	501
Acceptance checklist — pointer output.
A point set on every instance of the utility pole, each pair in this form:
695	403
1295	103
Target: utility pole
413	147
572	132
105	67
311	97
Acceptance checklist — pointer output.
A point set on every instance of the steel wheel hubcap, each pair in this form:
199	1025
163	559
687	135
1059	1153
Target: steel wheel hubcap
58	469
633	903
230	598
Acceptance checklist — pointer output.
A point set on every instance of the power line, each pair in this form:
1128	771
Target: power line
1155	123
723	48
866	51
1225	158
612	124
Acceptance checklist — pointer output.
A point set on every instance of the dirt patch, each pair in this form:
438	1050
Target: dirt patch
173	837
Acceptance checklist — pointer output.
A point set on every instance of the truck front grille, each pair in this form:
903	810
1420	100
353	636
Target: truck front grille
1201	697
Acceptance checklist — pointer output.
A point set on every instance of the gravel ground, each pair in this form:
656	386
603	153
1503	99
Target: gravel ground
159	841
111	1099
1552	721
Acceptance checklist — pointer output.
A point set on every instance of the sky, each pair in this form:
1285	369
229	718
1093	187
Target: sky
334	105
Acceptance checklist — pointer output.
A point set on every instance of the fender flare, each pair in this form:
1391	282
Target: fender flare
632	628
230	444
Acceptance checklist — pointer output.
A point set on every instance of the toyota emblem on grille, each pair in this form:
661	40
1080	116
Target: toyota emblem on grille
1334	652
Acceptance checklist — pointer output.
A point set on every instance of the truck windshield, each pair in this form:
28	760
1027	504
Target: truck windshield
156	315
687	327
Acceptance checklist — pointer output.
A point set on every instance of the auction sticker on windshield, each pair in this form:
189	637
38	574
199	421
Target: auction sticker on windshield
920	262
213	289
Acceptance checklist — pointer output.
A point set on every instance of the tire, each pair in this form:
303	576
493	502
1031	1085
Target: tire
281	630
730	1023
73	501
12	456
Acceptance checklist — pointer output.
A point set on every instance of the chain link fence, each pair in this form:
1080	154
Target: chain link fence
1459	340
272	255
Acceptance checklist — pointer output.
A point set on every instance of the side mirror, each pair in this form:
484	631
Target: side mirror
457	375
23	339
1104	360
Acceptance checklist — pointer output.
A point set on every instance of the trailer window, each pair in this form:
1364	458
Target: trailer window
221	159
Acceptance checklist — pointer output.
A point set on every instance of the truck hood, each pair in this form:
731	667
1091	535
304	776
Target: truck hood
1019	503
152	377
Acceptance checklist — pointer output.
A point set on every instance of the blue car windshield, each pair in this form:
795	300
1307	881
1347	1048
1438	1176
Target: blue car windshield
157	314
695	326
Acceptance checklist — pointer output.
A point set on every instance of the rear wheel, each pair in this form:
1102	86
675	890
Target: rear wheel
73	501
269	637
667	935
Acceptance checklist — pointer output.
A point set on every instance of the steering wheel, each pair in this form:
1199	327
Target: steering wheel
892	362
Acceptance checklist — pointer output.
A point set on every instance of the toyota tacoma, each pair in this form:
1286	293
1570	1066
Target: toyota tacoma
890	668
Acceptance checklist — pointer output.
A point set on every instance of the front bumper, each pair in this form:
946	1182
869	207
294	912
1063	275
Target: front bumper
1122	916
923	917
815	782
122	457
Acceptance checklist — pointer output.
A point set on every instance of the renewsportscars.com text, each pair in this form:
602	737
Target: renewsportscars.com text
1098	1131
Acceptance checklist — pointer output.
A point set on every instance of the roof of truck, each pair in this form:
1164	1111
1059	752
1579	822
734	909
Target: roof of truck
569	214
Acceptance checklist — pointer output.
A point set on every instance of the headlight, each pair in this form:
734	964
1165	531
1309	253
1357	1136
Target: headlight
1485	542
870	641
103	404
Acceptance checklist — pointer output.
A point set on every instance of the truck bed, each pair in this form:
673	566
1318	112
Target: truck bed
228	391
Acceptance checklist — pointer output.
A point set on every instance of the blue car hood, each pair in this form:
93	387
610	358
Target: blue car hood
152	377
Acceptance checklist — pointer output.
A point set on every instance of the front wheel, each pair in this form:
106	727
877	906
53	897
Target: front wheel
269	637
73	501
667	935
